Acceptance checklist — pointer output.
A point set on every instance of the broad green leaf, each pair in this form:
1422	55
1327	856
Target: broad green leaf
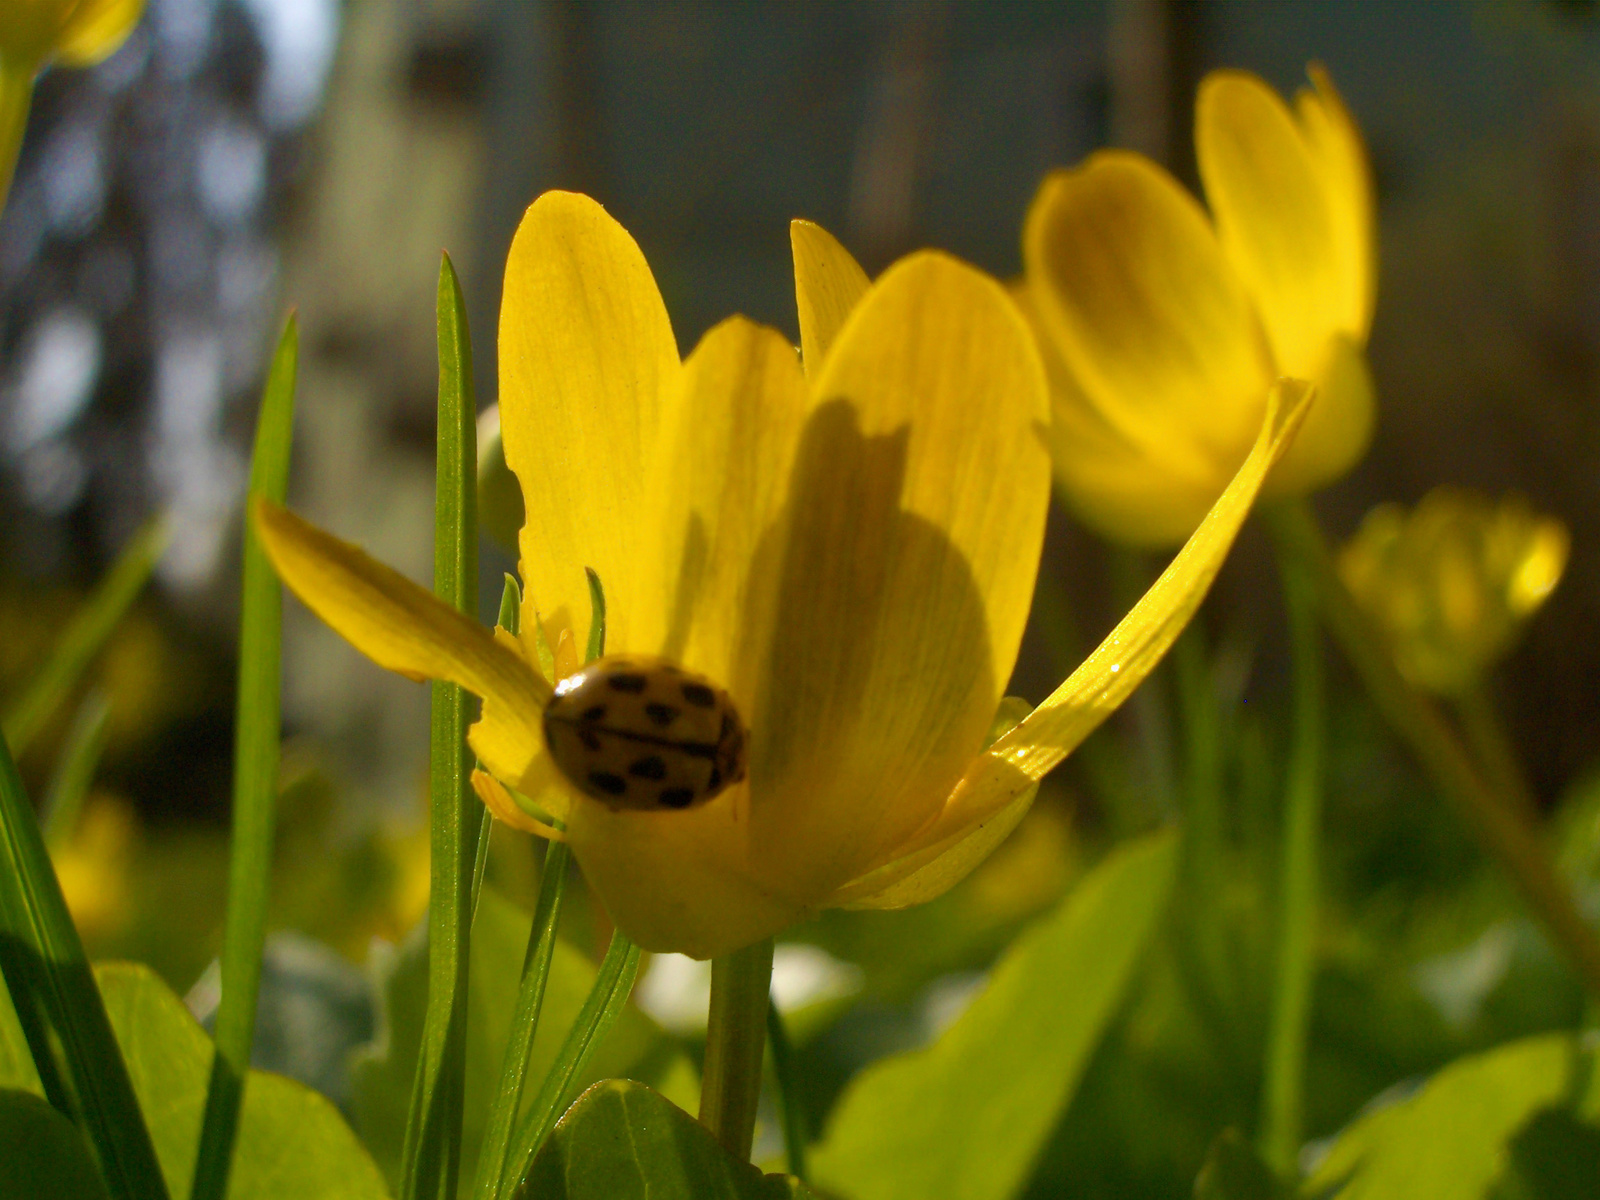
16	1062
1234	1171
1451	1139
381	1076
255	779
622	1141
964	1118
42	1154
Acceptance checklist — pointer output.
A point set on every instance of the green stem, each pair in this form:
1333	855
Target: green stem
1283	1095
1492	817
794	1114
432	1153
255	785
736	1034
1487	736
16	94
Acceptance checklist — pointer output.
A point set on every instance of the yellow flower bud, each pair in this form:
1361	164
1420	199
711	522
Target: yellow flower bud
1452	581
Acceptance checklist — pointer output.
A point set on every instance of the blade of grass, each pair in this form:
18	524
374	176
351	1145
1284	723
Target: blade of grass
74	770
255	782
432	1155
85	634
612	986
496	1149
59	1006
510	608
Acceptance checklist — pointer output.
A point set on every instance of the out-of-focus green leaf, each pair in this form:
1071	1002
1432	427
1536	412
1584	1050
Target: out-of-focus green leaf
1234	1171
622	1141
16	1063
42	1153
1554	1156
1451	1139
381	1077
291	1141
500	512
74	772
85	634
964	1118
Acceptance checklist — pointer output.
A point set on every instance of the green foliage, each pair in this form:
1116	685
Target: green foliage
1234	1171
381	1077
1553	1157
1452	1138
42	1153
291	1141
622	1141
965	1117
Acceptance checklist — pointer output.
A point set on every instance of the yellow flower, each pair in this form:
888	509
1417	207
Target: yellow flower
847	542
79	33
1452	582
1163	330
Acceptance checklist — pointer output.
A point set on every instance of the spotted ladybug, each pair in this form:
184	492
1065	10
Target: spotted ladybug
641	733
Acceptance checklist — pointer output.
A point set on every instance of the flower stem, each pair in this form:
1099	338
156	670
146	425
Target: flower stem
1491	816
1496	754
1283	1095
736	1034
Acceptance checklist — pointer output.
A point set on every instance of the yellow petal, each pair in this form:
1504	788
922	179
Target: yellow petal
405	628
1274	216
1338	428
828	283
903	567
586	357
1009	768
1134	493
1341	156
1149	317
95	29
720	483
504	808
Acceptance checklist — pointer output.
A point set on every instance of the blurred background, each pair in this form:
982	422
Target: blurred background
239	157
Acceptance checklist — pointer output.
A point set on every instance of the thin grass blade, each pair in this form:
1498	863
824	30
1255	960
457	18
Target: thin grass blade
432	1155
610	992
59	1006
74	772
88	630
255	782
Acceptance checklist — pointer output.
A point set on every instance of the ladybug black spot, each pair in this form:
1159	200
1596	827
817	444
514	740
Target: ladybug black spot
715	782
678	797
699	695
661	714
595	712
649	767
605	781
590	739
632	684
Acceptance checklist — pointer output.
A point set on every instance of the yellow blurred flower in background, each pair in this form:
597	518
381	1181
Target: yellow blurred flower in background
847	542
1452	582
1163	329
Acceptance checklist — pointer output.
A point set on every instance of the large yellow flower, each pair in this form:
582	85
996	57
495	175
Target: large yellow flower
847	541
78	32
1164	329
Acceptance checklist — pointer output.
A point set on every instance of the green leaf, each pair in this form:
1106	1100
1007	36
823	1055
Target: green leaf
1450	1139
432	1154
16	1062
42	1153
74	772
60	1009
1234	1171
255	779
291	1141
622	1141
88	630
964	1118
381	1076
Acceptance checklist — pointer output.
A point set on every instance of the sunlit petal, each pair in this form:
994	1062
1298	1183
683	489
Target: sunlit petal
828	283
903	565
95	29
1011	766
1340	155
586	357
405	628
1338	428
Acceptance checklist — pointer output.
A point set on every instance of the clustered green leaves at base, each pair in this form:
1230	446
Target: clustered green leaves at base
848	541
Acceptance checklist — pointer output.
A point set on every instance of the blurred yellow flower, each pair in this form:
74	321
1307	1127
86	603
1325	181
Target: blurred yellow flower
1163	329
846	542
1452	582
79	33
